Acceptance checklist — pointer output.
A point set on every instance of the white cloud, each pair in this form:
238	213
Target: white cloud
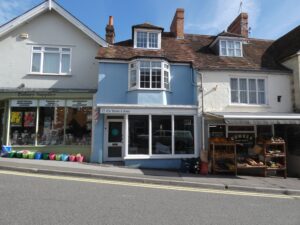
223	13
12	8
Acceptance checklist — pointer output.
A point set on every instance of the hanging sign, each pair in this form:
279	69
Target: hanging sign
52	103
23	103
79	103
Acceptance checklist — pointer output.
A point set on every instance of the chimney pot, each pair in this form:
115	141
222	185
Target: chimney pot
110	31
177	26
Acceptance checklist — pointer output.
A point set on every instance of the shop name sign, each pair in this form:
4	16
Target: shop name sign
36	94
23	103
52	103
79	103
115	111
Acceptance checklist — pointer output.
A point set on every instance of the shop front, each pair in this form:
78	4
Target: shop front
147	137
49	125
250	143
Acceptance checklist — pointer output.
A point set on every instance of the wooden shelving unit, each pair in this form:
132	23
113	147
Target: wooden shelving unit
273	154
223	153
275	157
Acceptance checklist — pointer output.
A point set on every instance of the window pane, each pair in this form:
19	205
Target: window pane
243	97
234	96
252	97
133	78
51	126
66	50
223	51
138	135
141	39
184	135
231	52
36	62
243	84
252	84
166	80
156	64
237	45
161	135
144	78
51	49
22	126
234	84
238	52
156	78
37	48
261	84
230	44
153	40
65	63
79	126
51	63
261	98
223	44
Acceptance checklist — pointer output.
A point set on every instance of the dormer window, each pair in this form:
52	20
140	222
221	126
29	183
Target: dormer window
231	48
147	39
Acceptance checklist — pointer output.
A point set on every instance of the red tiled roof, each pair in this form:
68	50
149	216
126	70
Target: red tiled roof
195	49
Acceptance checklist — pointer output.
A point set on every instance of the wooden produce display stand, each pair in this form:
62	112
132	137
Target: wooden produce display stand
270	160
275	157
223	157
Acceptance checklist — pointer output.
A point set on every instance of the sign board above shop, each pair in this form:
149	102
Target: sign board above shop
23	103
79	103
52	103
146	111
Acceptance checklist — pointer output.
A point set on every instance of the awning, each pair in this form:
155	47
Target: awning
239	118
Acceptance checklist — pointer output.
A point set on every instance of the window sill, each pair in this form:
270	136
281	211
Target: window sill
160	156
149	89
249	106
49	74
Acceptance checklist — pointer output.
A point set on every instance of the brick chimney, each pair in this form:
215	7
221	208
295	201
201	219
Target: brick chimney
177	26
110	31
240	25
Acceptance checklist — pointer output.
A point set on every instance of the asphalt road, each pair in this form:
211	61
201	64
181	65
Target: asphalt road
28	200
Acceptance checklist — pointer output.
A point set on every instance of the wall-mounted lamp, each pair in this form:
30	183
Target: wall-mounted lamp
24	36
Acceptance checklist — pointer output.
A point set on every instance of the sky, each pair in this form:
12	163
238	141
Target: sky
268	19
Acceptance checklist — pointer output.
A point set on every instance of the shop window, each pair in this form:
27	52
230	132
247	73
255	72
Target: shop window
51	126
22	126
184	135
78	126
138	135
161	135
241	128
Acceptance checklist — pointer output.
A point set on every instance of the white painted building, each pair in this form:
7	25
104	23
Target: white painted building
48	75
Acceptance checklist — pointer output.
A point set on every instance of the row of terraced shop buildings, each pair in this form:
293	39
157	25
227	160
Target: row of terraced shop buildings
149	101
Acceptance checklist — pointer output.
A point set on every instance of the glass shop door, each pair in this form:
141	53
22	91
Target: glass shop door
115	140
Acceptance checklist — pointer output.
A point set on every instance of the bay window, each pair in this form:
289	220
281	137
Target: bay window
145	74
160	135
51	60
248	91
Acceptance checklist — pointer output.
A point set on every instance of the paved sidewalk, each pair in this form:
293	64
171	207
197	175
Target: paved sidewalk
275	185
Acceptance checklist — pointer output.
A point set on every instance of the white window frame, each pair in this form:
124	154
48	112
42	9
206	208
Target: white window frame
248	91
148	38
43	51
136	67
227	47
